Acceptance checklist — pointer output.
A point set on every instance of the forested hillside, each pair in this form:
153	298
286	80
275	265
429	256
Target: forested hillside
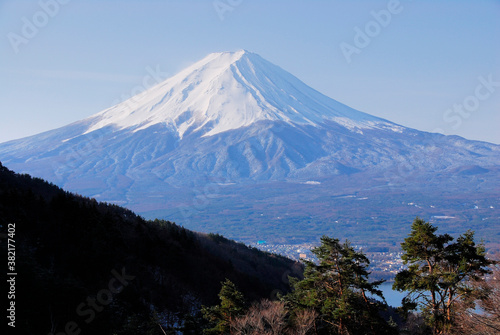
100	268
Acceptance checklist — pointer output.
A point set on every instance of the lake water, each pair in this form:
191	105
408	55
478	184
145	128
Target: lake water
393	298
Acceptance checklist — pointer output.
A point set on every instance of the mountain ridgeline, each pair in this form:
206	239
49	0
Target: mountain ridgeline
245	138
101	268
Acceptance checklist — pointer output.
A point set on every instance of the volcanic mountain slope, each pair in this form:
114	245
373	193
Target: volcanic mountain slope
234	119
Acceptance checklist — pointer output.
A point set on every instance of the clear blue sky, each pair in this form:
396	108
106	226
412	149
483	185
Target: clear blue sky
87	55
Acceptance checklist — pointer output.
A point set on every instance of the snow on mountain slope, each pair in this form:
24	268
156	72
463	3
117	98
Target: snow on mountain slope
236	145
227	91
235	117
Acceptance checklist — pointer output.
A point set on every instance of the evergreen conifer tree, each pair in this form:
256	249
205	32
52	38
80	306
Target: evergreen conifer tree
438	272
232	304
337	289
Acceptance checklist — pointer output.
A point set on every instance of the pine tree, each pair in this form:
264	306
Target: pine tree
232	304
437	273
337	289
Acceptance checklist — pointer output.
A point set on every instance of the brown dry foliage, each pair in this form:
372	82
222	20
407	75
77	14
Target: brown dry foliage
304	321
486	320
270	318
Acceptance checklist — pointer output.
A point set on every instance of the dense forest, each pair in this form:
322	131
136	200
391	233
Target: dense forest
85	267
72	251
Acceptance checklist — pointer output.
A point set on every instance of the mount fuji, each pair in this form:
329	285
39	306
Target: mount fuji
237	145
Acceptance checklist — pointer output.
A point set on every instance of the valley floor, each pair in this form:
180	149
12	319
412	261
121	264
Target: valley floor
383	265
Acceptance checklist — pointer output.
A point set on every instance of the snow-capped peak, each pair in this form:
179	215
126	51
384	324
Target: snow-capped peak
224	91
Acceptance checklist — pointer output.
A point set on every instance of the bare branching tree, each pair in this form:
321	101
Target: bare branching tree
266	317
272	318
304	321
481	315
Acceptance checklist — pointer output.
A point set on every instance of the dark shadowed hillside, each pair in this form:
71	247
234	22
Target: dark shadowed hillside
100	268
